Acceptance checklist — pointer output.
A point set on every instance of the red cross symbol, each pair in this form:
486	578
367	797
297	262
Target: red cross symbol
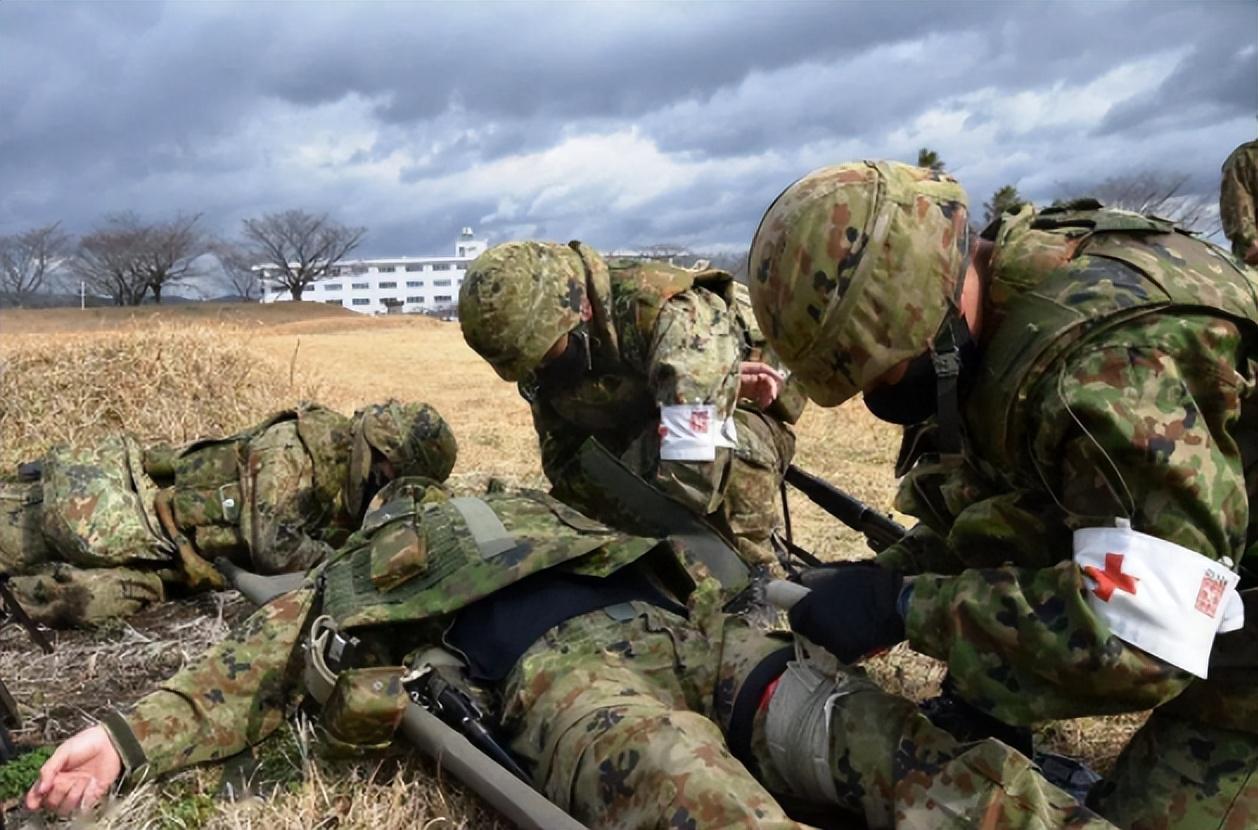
1110	578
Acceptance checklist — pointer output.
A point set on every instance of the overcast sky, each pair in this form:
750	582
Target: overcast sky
620	124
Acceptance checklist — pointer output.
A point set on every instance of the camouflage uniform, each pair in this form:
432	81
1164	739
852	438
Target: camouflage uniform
1238	197
1116	382
117	526
659	336
614	711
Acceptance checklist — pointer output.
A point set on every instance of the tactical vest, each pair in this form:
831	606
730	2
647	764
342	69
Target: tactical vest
415	560
208	493
1067	274
415	563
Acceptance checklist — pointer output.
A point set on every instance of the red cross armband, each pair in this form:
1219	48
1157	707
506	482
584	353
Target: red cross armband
693	432
1157	596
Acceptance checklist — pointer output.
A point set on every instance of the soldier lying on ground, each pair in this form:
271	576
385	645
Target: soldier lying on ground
663	365
1086	495
109	529
612	673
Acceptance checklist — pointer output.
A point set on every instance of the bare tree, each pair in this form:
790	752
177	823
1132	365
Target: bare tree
1158	192
929	159
299	248
107	259
28	257
1005	198
127	258
168	253
239	265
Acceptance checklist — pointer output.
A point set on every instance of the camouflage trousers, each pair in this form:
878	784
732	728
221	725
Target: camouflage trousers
610	710
617	713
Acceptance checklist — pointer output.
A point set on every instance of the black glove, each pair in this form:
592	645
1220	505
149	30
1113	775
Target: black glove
851	611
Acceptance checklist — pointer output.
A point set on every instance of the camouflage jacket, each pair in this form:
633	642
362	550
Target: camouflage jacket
272	497
1116	382
416	562
1238	197
660	336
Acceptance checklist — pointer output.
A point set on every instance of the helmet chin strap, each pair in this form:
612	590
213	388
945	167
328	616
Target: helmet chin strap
945	356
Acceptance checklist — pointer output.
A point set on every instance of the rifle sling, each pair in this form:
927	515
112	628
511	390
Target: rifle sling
666	516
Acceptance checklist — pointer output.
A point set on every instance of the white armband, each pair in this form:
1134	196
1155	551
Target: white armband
693	432
1165	599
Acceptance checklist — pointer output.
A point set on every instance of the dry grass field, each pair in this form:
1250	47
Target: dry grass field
186	371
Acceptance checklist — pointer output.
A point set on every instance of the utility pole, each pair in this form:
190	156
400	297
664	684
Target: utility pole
82	294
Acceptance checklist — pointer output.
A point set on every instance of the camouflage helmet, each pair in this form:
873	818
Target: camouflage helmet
412	436
517	299
854	268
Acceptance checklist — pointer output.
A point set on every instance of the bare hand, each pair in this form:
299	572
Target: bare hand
759	382
78	774
1251	255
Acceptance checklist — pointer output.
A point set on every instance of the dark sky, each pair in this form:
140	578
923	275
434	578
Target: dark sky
624	125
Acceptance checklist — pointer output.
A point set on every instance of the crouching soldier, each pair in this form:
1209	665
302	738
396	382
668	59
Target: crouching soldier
663	365
609	673
110	529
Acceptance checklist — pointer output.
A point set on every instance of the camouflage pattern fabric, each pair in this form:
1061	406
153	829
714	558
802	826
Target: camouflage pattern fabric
1238	197
286	527
894	768
511	322
1116	382
660	335
1147	420
61	595
272	498
610	715
765	449
98	509
615	712
22	547
836	256
412	437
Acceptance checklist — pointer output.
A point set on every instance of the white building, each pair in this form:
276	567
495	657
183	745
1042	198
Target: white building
370	286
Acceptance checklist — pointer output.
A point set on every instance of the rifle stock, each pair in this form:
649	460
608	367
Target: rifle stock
879	530
10	717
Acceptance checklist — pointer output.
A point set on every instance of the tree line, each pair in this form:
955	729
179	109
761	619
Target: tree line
131	261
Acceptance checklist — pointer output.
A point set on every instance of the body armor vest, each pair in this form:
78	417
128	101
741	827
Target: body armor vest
415	560
1066	274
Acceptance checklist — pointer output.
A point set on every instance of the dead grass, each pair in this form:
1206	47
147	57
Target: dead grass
62	320
162	383
181	372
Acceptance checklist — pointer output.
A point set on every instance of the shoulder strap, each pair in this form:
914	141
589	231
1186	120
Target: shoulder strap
664	515
488	532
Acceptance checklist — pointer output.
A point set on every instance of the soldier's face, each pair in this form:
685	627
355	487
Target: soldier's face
566	362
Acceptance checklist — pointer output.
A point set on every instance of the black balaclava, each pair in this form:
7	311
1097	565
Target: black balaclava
914	398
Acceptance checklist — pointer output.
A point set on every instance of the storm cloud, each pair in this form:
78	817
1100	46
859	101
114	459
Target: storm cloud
621	124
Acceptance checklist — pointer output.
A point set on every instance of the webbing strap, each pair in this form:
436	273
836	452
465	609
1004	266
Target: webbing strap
665	515
490	534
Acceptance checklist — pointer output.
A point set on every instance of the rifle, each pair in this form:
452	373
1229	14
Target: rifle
10	717
443	744
880	531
